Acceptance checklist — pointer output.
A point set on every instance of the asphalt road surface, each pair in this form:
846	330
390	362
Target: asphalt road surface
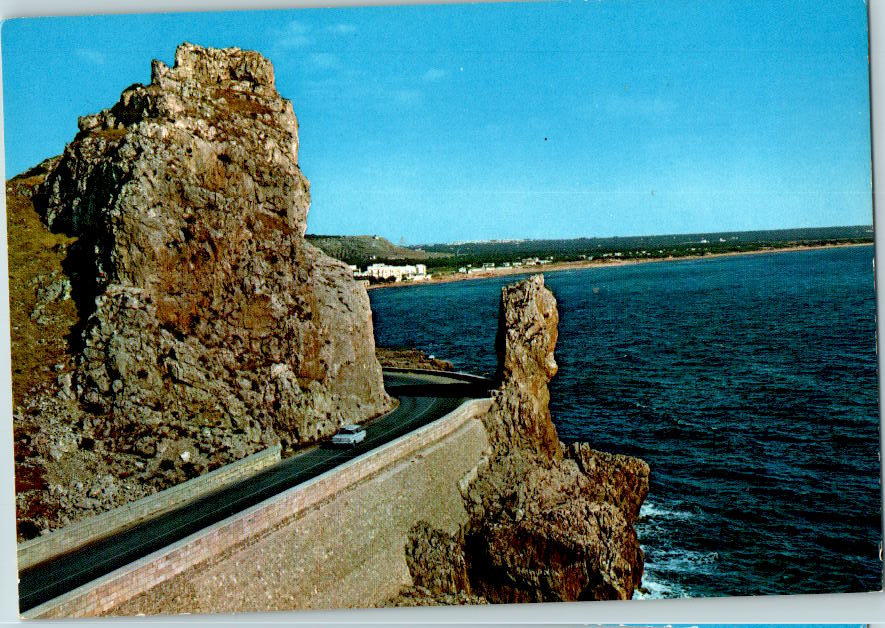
423	397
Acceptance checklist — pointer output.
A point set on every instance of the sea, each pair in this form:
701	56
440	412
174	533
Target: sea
749	385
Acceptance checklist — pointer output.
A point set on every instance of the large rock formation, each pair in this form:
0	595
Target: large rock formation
200	305
547	522
528	327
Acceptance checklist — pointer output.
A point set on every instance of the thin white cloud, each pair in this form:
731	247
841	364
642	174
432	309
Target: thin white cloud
294	35
341	29
325	61
434	74
90	56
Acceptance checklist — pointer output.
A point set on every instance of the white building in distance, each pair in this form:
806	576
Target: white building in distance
409	272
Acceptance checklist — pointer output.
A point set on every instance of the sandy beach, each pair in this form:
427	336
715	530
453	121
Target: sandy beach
609	262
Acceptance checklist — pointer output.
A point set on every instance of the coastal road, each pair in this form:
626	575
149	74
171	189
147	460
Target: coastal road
423	396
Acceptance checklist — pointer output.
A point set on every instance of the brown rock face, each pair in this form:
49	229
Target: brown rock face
527	333
564	552
437	560
206	322
622	480
543	526
191	210
554	535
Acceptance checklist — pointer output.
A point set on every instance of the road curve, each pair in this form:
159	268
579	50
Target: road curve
424	397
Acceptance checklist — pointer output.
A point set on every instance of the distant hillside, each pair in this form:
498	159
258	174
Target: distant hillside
648	246
367	249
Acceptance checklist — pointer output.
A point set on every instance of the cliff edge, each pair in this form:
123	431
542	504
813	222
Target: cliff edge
547	521
204	327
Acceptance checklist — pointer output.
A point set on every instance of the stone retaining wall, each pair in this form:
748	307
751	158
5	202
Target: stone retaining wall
107	523
335	541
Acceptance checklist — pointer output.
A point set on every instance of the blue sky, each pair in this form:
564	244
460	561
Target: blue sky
456	122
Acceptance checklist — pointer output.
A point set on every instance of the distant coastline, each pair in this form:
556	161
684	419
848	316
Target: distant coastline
608	263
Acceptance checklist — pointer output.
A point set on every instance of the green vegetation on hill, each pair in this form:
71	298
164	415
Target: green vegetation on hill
453	256
41	316
368	249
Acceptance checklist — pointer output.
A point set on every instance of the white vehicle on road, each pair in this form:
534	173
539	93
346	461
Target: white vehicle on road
349	435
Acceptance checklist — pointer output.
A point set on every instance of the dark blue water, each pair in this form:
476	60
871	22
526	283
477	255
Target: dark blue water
749	385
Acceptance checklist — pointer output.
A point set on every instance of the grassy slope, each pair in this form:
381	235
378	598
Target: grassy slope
35	256
362	250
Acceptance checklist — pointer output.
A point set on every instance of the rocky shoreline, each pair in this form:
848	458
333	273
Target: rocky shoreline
547	521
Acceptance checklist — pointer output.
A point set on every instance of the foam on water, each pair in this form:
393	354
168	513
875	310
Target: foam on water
649	510
653	589
682	561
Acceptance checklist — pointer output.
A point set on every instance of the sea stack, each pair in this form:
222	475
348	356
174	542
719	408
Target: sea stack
548	522
528	328
205	323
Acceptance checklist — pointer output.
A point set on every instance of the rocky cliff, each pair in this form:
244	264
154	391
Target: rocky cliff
206	327
548	522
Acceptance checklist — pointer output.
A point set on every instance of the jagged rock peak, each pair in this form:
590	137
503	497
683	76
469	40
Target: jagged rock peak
527	333
215	114
199	74
212	93
214	66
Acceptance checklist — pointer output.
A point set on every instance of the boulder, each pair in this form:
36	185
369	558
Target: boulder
436	560
622	480
556	538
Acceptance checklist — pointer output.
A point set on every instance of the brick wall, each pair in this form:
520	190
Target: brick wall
107	523
333	542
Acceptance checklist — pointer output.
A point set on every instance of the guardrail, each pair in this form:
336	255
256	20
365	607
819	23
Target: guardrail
113	521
